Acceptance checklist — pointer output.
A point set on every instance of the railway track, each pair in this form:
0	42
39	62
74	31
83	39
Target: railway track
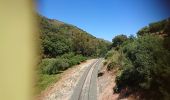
86	89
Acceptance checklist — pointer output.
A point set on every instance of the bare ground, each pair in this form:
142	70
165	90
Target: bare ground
63	89
106	82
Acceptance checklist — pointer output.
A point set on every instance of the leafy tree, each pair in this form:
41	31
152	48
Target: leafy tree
146	67
143	31
56	45
118	40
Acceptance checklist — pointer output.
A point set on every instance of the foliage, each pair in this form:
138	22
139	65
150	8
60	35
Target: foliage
64	45
50	69
73	59
46	80
161	27
145	63
58	38
59	64
109	54
146	67
143	31
54	45
115	60
118	40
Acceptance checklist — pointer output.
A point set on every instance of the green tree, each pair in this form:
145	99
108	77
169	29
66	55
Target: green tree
146	67
118	40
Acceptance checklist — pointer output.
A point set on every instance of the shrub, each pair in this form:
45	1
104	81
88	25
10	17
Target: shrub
68	55
118	40
56	65
109	54
146	67
73	59
46	65
53	66
115	60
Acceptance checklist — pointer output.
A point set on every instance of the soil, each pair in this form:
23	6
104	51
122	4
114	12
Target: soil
106	83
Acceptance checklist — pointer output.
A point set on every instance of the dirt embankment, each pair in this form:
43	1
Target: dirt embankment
106	83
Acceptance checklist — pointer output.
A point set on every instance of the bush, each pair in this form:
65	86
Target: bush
118	40
56	65
53	66
68	55
146	67
109	54
73	59
45	80
115	60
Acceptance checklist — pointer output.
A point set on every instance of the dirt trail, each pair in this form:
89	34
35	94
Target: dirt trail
86	88
63	89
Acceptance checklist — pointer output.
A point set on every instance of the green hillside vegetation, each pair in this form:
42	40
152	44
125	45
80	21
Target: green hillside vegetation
143	62
63	46
161	28
157	28
59	38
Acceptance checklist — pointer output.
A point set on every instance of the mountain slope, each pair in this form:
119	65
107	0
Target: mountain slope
63	46
59	38
160	28
143	63
157	28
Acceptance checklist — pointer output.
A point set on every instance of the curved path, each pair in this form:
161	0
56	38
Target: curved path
86	89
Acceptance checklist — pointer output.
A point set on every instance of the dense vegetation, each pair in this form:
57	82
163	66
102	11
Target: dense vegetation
62	46
157	28
59	38
59	64
143	62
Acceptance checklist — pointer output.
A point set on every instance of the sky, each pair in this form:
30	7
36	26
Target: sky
106	18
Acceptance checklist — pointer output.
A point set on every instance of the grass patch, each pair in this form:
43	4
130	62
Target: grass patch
50	69
115	60
45	81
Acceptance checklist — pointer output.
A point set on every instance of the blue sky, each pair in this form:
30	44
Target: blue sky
105	18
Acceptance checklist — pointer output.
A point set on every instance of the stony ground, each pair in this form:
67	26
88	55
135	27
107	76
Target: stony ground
63	89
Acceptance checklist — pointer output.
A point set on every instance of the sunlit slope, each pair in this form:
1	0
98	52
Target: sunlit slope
59	38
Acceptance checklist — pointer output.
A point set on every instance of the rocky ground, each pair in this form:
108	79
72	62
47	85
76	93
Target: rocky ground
63	89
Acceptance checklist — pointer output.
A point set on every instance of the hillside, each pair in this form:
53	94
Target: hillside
143	63
63	46
160	28
59	38
157	28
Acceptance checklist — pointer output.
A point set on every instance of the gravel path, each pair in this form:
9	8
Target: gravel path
86	88
63	89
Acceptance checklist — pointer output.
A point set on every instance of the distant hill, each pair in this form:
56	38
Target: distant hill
58	38
161	28
157	28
